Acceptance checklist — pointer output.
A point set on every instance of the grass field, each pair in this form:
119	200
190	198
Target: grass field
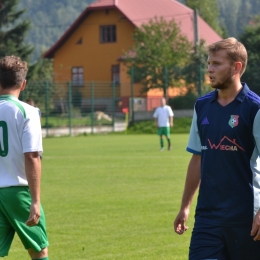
112	197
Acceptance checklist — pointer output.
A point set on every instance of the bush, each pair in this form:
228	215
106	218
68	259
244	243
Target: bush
183	102
181	125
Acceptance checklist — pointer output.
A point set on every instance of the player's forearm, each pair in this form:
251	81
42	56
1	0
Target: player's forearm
192	182
33	174
171	121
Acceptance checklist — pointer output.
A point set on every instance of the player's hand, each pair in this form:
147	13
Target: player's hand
179	222
255	232
34	215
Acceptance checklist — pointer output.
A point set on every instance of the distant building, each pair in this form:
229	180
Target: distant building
91	48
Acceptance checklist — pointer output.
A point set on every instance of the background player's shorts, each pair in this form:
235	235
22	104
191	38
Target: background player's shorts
15	205
223	243
164	131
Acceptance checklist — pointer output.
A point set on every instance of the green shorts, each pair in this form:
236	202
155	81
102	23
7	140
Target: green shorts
164	131
15	205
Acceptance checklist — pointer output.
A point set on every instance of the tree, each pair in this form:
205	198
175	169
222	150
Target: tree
255	7
159	51
51	19
243	16
208	10
251	39
195	70
229	11
39	73
13	31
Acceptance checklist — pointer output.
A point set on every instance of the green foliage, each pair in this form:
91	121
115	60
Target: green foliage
183	102
13	31
251	39
237	14
181	125
50	19
36	86
196	68
208	10
157	45
76	97
244	15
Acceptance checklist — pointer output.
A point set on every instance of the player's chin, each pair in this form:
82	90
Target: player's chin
215	86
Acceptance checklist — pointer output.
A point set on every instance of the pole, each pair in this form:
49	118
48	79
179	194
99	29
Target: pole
47	108
196	28
196	44
132	95
113	105
69	114
166	79
92	107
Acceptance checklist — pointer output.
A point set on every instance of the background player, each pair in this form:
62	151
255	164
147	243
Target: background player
163	117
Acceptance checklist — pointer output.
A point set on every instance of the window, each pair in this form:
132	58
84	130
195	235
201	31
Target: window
107	33
115	74
77	76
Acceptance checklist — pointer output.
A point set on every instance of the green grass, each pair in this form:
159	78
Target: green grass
110	197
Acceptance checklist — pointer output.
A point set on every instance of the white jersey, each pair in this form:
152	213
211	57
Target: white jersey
162	114
20	132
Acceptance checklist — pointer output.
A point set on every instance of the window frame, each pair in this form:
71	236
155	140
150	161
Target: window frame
78	75
107	34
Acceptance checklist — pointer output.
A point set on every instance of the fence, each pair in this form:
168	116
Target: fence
89	107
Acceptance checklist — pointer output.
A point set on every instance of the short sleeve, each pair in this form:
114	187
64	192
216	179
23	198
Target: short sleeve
194	143
32	134
256	132
155	114
170	111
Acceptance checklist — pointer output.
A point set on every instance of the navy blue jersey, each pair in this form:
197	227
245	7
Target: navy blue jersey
228	140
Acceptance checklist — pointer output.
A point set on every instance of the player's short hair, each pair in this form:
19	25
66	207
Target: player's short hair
236	51
13	72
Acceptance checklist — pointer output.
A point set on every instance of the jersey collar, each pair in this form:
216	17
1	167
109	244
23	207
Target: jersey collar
240	96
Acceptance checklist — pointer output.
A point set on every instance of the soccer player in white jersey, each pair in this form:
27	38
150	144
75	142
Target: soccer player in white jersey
163	117
20	165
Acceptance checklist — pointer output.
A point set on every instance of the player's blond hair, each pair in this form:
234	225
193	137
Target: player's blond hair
236	51
13	72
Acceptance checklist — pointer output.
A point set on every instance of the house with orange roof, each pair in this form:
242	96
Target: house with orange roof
90	50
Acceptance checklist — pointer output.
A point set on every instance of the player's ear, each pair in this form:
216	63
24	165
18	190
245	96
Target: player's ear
23	85
237	67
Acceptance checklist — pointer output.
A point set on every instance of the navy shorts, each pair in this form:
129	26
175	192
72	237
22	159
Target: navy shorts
223	243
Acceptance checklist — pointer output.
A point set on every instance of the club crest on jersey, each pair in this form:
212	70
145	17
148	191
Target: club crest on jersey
233	121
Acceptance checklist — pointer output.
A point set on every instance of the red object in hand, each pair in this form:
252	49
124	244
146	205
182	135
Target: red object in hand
125	110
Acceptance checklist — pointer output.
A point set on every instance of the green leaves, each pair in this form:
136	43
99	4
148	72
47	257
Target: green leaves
208	10
158	46
13	31
251	39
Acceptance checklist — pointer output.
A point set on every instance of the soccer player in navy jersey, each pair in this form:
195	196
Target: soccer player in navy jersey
225	164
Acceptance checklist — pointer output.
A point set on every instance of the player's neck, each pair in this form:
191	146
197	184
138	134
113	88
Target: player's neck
11	92
226	96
